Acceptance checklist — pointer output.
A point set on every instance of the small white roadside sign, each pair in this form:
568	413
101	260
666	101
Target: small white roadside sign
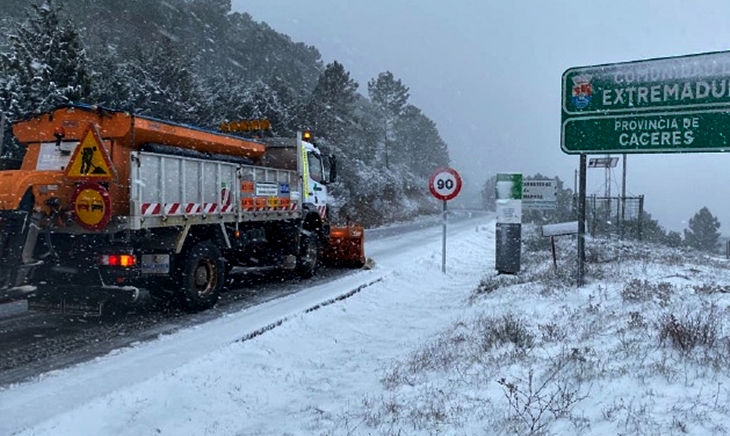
539	194
560	229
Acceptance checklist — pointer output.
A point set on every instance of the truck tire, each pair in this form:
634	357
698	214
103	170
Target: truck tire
310	251
203	277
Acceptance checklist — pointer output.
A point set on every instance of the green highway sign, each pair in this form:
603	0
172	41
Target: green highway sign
666	105
680	132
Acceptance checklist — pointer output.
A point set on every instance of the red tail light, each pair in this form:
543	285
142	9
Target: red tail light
123	260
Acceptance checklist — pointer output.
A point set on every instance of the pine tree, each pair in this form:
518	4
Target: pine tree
651	230
390	96
46	65
113	87
163	83
419	144
703	233
262	101
673	239
331	103
489	194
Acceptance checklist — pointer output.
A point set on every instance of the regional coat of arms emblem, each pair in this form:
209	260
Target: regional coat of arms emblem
582	91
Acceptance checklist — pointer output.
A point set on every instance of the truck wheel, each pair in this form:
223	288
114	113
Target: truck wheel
309	256
202	278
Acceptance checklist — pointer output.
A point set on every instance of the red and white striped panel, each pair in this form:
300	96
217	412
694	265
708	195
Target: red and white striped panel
172	208
151	209
210	207
226	203
193	208
322	211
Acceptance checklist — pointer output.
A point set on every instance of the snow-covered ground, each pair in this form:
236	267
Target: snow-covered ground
641	349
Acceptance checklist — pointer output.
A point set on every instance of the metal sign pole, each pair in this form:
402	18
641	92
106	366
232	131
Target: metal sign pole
582	220
623	197
444	184
443	241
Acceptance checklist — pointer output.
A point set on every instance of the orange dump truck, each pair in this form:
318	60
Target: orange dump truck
106	204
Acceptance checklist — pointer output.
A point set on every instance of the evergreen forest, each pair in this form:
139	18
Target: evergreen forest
197	62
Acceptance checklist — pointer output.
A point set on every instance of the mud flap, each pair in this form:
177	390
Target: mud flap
14	232
346	246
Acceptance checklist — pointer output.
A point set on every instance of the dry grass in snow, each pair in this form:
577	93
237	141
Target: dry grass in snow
641	349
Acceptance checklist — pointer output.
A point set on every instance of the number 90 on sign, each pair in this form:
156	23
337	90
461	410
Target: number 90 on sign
445	184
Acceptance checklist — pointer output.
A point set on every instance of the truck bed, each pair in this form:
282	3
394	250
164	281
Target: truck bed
168	190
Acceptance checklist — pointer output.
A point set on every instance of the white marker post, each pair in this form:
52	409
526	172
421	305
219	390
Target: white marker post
444	184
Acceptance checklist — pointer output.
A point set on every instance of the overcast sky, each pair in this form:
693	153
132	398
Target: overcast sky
489	74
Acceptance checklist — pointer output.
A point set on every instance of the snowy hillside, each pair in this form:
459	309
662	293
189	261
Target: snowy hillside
641	349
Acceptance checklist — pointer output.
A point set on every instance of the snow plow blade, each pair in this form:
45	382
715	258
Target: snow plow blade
346	246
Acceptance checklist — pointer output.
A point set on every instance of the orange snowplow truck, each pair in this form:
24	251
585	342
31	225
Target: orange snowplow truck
106	204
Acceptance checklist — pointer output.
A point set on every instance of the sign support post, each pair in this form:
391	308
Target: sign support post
623	198
582	220
444	184
443	239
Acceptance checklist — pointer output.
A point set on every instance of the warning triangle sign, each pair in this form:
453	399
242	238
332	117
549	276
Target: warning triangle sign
90	159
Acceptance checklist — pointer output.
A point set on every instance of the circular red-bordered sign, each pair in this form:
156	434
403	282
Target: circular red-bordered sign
91	206
445	183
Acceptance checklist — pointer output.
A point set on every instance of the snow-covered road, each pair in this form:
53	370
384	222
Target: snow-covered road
224	378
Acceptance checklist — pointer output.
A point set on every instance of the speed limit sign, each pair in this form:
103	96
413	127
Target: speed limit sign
445	184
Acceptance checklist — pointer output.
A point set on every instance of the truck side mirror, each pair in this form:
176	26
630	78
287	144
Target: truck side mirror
333	168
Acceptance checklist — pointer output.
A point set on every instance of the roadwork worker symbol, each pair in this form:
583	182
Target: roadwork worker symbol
90	160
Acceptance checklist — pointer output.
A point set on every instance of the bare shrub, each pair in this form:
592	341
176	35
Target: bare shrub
628	345
706	289
679	425
594	255
580	364
493	332
673	259
378	411
665	369
639	291
535	405
436	407
552	332
535	243
685	333
433	408
610	412
396	376
636	321
554	279
489	284
448	351
439	355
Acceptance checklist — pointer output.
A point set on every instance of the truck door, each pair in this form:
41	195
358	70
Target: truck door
316	186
